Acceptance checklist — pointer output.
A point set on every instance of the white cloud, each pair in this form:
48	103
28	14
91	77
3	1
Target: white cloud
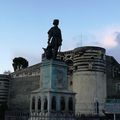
108	37
109	40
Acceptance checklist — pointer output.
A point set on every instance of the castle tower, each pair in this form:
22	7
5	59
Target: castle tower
89	79
53	94
4	88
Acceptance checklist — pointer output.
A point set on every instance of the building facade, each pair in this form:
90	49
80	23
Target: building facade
89	76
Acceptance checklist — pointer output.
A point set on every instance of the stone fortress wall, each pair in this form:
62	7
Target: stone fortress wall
86	76
113	77
22	83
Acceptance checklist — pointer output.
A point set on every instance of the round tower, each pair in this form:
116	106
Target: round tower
4	87
89	79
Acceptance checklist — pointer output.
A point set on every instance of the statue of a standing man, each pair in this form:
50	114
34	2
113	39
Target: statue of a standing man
55	38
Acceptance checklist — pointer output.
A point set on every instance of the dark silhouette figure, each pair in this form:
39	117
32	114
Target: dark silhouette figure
54	40
48	52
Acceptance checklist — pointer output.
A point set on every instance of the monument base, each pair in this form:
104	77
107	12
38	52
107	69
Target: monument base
53	94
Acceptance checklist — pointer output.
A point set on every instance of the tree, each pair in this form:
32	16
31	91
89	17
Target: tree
19	63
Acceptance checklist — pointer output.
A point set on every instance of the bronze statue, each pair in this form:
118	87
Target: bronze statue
54	41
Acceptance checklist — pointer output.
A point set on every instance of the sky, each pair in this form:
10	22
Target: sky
24	25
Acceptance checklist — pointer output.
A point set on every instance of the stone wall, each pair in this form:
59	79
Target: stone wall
20	90
113	77
22	83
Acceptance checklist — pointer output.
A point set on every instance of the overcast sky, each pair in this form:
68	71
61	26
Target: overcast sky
24	25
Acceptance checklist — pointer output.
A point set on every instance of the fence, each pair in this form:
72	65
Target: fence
10	115
49	116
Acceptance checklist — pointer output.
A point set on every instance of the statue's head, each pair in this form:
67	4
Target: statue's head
55	22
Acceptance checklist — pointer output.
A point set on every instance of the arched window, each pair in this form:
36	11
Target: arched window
62	104
33	103
70	104
69	62
71	83
45	104
39	104
76	67
53	103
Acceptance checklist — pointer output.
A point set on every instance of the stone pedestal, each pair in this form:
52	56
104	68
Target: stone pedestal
53	75
53	94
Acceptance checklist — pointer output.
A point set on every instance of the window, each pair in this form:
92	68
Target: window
70	104
76	67
61	58
69	62
71	83
90	66
39	104
102	56
33	103
45	104
92	58
68	56
0	83
118	87
62	104
54	103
